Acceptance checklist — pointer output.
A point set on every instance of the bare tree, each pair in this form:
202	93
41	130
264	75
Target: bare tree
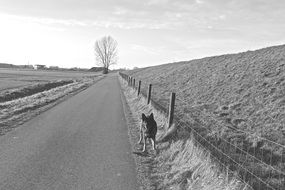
106	52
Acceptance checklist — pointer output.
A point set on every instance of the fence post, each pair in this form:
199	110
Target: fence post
139	88
149	94
171	109
134	83
131	80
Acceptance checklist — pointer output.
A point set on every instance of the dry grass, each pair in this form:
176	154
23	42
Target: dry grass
236	98
17	111
180	163
243	91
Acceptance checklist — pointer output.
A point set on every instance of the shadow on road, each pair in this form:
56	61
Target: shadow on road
144	154
140	153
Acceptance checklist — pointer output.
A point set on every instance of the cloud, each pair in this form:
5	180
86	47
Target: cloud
48	23
157	2
52	21
210	17
146	49
120	11
199	1
151	14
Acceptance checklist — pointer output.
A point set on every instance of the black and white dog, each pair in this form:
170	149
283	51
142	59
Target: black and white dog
148	130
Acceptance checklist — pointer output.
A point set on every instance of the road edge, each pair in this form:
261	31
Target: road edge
143	162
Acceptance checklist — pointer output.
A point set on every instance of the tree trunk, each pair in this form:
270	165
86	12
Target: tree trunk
105	70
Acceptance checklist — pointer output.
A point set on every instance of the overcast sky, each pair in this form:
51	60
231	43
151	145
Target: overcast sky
149	32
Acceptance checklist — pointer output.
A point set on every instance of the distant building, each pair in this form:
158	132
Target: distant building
40	67
24	66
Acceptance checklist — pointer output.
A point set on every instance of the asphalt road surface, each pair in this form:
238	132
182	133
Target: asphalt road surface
80	144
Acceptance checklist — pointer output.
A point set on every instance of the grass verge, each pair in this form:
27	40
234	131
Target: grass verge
180	162
236	103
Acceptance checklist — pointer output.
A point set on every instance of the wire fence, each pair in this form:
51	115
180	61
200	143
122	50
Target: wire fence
264	160
260	163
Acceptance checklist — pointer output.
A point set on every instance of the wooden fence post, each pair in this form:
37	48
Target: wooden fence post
139	88
134	83
149	94
171	109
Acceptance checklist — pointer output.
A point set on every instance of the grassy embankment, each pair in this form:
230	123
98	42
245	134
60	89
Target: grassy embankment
236	98
19	104
178	164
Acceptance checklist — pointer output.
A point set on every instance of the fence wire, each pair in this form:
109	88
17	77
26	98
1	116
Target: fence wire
266	172
260	168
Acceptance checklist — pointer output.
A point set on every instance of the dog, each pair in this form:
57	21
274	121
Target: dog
148	130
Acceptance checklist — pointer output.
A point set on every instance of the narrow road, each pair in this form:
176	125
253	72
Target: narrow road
80	144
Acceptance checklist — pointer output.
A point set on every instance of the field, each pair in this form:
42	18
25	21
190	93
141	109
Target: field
26	93
236	102
13	78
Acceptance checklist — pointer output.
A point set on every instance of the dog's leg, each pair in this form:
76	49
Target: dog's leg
140	141
141	135
144	144
153	144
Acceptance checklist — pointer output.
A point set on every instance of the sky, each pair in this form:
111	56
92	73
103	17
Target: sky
149	32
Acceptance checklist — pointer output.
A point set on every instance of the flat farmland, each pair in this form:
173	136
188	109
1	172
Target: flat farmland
27	93
14	78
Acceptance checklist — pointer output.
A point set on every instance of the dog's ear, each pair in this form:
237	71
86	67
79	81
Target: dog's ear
143	117
151	116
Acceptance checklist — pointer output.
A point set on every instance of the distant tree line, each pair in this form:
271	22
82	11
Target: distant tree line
6	65
51	68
